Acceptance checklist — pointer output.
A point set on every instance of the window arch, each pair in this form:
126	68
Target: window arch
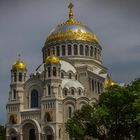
34	99
63	50
69	50
81	50
87	50
75	49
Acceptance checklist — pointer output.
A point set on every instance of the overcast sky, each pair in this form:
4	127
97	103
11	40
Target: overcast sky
25	24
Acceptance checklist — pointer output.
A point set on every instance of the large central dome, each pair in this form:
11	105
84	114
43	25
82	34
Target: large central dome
71	30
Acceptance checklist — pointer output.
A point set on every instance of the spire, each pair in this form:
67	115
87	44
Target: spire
71	11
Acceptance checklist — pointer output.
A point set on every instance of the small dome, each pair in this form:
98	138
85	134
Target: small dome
52	59
19	65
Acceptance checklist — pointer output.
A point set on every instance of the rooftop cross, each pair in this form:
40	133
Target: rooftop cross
71	12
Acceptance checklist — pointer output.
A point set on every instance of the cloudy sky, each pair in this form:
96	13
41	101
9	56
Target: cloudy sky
25	24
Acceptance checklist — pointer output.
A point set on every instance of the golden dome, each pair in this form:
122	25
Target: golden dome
52	59
19	65
71	30
109	82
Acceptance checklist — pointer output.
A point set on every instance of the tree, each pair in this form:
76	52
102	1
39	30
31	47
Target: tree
116	116
2	133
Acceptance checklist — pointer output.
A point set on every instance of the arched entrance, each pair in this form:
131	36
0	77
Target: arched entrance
13	134
49	135
30	130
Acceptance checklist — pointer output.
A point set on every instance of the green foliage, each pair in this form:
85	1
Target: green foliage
2	133
116	116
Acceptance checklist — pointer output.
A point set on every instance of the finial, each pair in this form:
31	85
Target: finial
71	12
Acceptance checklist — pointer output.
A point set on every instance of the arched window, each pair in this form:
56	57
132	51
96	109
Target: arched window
70	75
62	75
69	50
87	51
49	116
79	91
76	77
58	51
69	112
49	90
98	84
65	92
14	94
59	133
63	50
34	99
72	92
95	53
92	85
53	51
91	51
81	50
54	71
75	49
20	77
15	77
49	72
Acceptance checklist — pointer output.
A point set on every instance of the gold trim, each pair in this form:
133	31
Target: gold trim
70	35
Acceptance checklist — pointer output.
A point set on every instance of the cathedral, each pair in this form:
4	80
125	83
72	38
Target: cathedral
71	75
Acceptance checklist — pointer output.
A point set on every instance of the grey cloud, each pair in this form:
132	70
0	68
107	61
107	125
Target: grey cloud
24	26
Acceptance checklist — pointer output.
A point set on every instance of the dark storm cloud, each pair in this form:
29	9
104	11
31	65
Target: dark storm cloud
25	24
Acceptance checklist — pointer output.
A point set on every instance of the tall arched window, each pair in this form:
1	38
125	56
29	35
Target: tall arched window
65	92
14	94
34	99
75	49
20	77
59	133
70	75
54	71
53	51
62	75
95	53
69	112
63	50
72	92
87	51
79	92
49	90
92	85
15	77
69	50
91	51
49	72
58	51
81	50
